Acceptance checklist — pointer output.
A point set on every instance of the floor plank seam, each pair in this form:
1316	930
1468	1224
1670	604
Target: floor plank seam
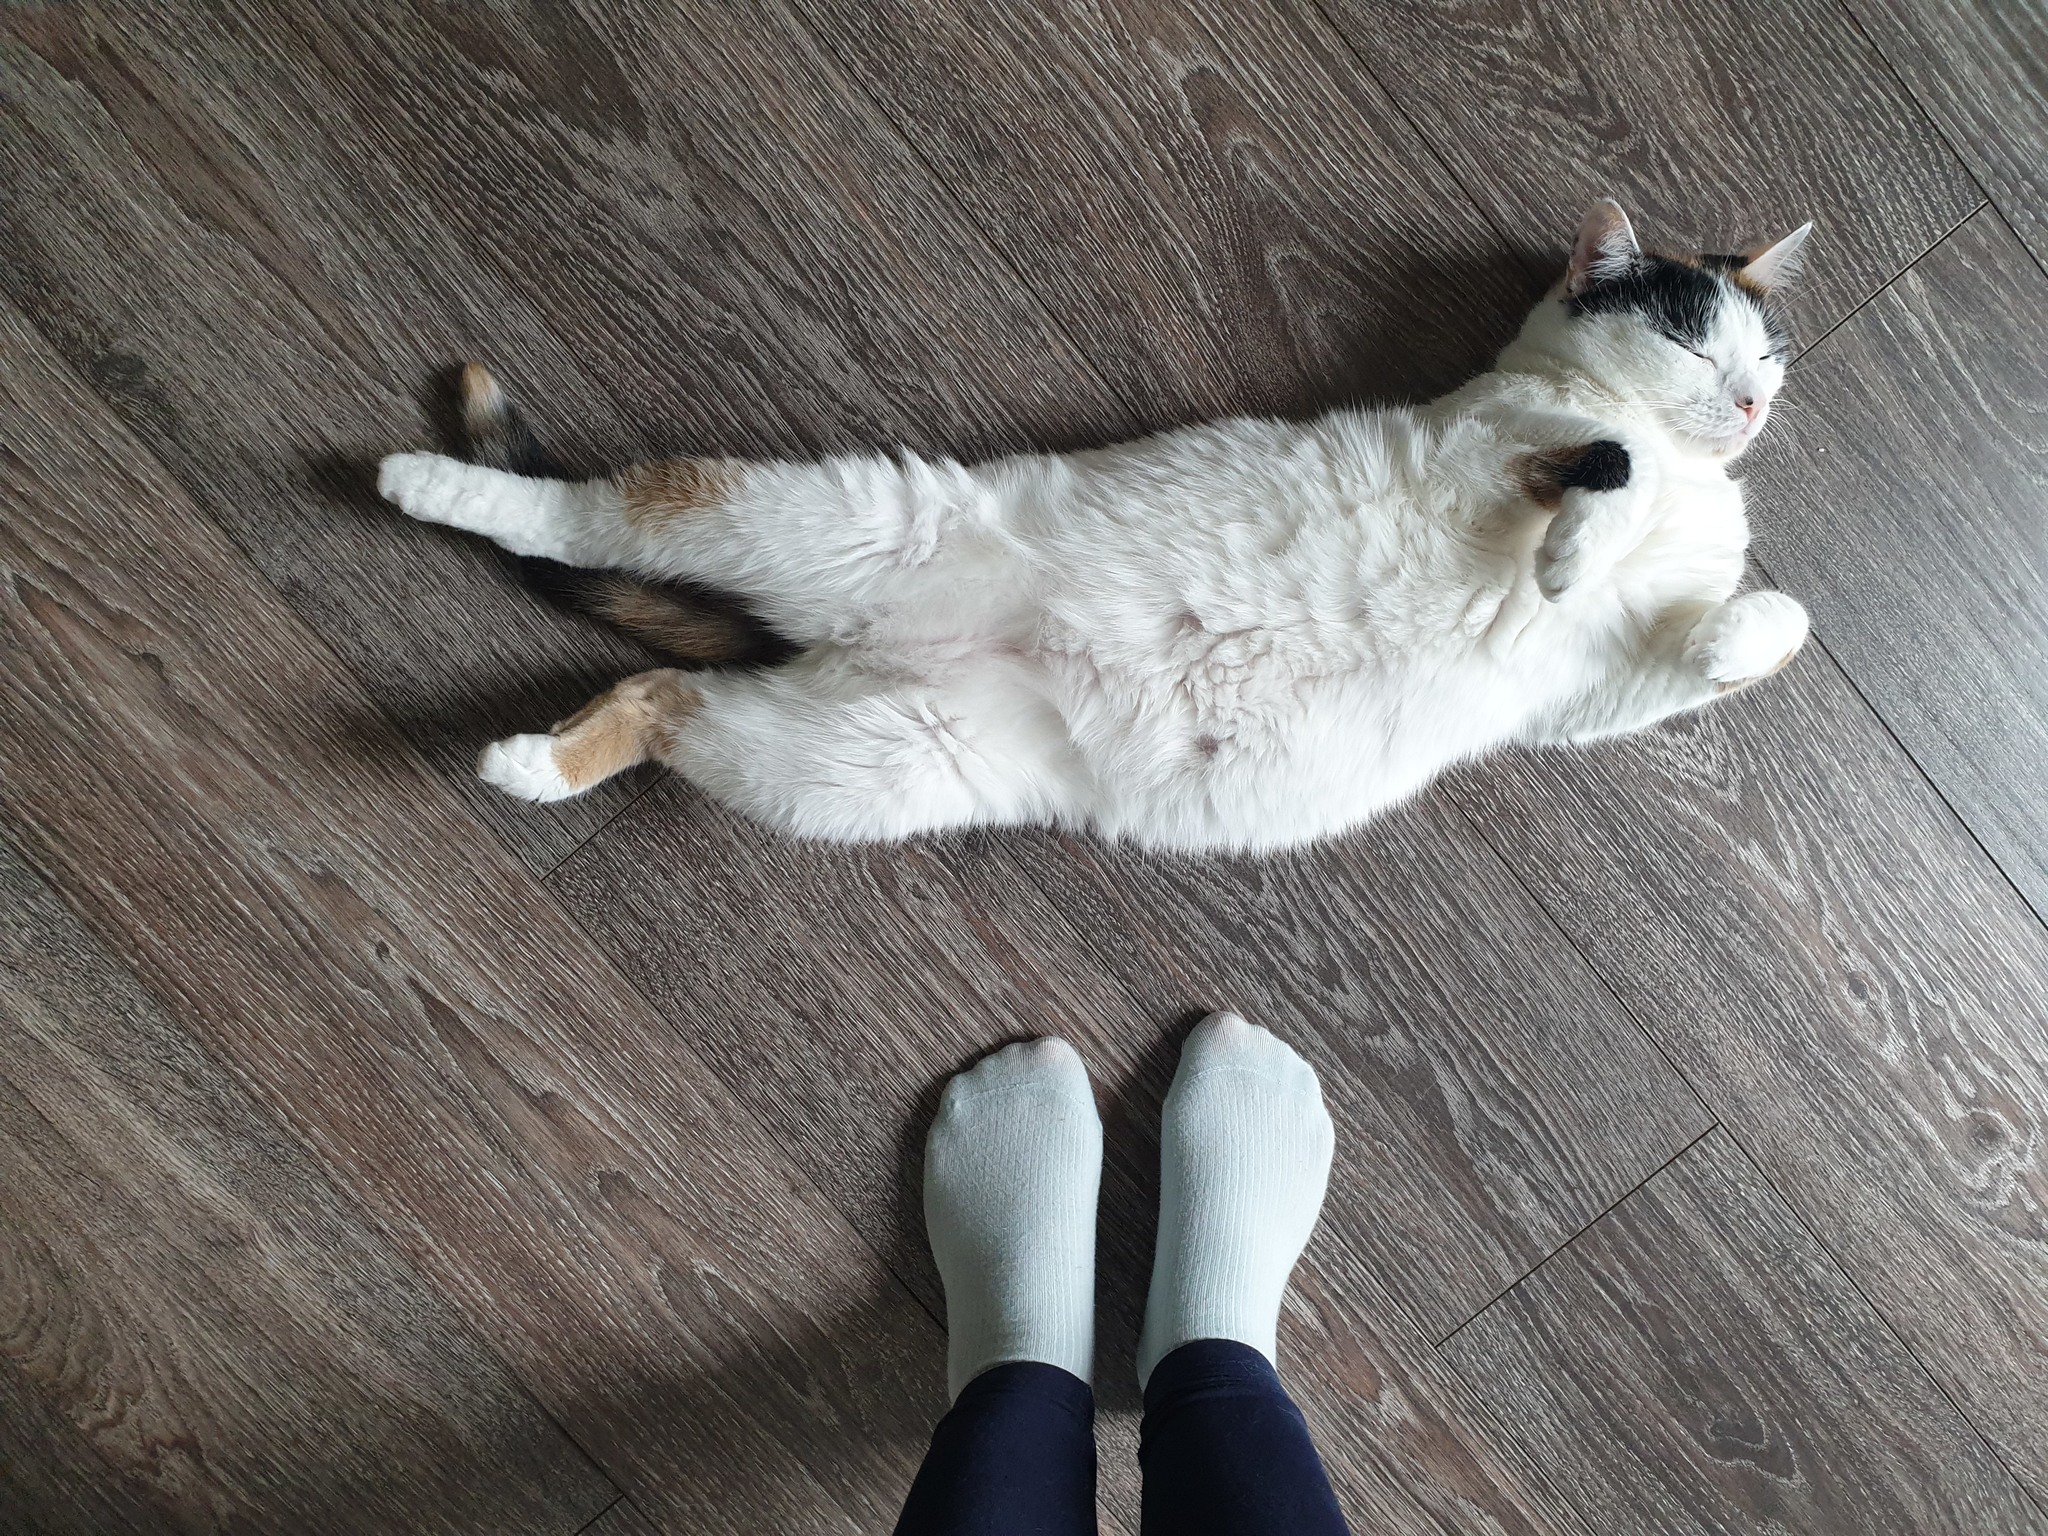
591	1523
653	783
313	639
1884	1320
1627	1195
2040	257
1905	88
1886	286
1657	1045
1500	1434
1565	938
1934	788
796	1165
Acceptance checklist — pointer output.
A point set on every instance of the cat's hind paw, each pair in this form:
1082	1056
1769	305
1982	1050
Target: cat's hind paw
1748	638
524	767
419	484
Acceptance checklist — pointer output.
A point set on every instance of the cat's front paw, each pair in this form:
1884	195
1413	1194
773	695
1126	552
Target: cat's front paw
1747	638
1585	542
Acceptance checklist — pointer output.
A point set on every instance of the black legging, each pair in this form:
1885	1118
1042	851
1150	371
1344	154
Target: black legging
1224	1450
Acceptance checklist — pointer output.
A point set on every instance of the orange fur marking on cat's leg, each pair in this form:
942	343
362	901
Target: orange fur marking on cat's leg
626	726
659	493
623	727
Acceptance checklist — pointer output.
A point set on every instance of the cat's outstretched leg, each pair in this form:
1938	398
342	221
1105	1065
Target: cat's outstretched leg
815	549
623	727
1694	655
821	748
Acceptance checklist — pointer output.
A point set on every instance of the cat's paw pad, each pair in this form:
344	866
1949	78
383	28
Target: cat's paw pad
1750	637
524	767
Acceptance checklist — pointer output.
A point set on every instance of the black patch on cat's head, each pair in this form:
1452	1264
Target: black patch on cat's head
1674	297
1680	299
1732	268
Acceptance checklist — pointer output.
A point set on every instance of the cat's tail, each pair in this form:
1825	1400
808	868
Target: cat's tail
694	625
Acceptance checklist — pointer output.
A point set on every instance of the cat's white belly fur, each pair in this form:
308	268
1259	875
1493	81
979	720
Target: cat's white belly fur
1253	633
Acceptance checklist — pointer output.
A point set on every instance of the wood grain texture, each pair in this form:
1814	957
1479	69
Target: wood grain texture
265	283
52	1481
1716	125
1981	72
1906	486
1490	1097
834	989
1214	200
214	1325
1695	1363
198	778
1776	892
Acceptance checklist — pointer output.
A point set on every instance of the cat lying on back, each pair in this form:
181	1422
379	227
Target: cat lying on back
1235	636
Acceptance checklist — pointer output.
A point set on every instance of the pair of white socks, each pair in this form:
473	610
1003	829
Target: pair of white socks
1014	1163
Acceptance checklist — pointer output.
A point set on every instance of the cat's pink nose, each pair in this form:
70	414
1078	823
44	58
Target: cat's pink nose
1750	408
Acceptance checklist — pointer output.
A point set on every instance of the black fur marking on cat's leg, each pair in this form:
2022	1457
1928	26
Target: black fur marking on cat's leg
1603	466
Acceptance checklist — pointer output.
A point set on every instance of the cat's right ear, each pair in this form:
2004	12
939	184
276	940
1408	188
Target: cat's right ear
1606	247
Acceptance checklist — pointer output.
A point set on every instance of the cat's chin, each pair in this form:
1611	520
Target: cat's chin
1722	449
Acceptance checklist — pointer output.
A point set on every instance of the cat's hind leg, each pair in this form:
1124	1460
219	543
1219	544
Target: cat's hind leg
816	550
576	522
821	748
629	724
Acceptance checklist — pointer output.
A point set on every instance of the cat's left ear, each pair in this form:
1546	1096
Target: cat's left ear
1776	265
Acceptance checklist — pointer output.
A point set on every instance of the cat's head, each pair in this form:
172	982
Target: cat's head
1695	339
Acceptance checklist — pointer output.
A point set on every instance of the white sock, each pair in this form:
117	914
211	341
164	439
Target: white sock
1244	1158
1011	1173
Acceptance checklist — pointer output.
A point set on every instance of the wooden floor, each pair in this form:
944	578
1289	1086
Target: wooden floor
377	1154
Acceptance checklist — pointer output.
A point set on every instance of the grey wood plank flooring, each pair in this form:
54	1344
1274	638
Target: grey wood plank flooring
1276	235
649	1132
269	304
1701	1326
217	800
1905	497
1713	124
835	989
196	1303
1981	72
1825	952
52	1481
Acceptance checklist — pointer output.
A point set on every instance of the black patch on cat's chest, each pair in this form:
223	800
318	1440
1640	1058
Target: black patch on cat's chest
1678	299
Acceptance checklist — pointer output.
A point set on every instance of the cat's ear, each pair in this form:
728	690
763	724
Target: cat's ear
1606	247
1776	265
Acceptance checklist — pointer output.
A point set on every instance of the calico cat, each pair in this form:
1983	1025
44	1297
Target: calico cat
1237	636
